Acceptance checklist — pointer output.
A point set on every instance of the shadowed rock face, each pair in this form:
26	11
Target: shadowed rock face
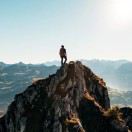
73	99
127	116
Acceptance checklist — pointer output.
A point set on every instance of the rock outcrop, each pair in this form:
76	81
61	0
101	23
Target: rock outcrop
72	100
127	116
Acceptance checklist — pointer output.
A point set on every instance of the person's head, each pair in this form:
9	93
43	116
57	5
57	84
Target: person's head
62	46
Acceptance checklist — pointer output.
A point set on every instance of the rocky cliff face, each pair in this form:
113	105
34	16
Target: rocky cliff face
127	116
72	100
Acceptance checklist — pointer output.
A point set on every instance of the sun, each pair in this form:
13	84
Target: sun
120	12
124	10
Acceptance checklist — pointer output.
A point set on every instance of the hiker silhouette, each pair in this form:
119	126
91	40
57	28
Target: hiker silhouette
63	55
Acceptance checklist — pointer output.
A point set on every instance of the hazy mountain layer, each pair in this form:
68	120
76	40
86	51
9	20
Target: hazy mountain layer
72	100
120	98
15	78
117	74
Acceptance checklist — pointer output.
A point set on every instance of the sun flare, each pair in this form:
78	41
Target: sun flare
120	11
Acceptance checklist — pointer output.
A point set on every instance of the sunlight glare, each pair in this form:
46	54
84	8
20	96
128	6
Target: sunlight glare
119	12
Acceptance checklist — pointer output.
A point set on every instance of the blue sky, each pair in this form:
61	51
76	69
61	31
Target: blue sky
32	31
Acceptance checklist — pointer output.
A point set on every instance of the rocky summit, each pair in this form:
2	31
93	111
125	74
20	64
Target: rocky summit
72	100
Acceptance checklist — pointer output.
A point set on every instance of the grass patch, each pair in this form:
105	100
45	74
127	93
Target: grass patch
113	113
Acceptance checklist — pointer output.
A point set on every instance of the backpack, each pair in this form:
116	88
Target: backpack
62	52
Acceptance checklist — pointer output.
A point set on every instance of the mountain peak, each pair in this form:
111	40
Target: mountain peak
20	63
73	99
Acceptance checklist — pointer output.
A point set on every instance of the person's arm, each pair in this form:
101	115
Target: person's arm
65	51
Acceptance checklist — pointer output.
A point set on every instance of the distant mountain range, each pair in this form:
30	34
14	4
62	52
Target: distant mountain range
2	64
51	63
120	98
16	77
117	74
73	99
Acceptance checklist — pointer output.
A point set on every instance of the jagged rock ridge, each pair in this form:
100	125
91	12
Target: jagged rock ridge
73	99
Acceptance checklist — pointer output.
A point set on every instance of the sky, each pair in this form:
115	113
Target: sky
32	31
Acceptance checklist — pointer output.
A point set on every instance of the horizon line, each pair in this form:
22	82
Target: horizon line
51	61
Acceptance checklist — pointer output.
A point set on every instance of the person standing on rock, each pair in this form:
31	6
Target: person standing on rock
63	55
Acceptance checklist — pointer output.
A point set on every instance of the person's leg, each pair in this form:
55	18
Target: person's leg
61	61
65	59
